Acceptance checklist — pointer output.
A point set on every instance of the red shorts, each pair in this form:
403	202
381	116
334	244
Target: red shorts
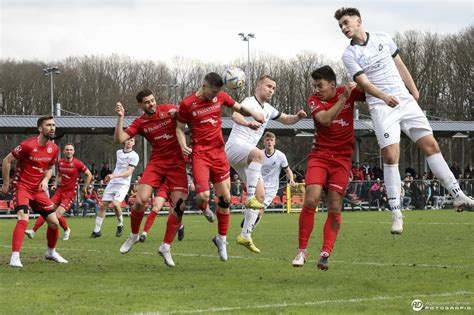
175	175
210	165
330	172
38	200
64	198
164	191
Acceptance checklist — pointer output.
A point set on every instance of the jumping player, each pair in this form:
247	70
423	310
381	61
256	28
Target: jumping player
329	162
118	184
373	61
246	158
35	159
157	125
202	112
65	185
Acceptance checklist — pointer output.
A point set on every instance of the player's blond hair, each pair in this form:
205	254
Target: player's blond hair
269	134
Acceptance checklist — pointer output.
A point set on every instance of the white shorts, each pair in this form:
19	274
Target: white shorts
115	192
238	154
407	117
270	193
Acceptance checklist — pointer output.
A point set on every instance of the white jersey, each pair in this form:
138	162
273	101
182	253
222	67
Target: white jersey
271	168
242	134
375	59
124	159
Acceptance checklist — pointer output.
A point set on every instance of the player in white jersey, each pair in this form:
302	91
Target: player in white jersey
118	184
246	158
373	62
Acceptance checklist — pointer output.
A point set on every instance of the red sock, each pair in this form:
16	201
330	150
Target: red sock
306	224
150	219
19	235
136	220
63	223
204	205
331	228
52	236
172	226
223	220
38	223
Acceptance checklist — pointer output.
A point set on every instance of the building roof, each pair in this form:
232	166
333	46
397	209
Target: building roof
106	124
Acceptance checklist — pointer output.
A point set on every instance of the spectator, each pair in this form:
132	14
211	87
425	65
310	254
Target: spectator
380	198
456	170
467	184
95	172
469	171
105	171
408	192
357	177
235	186
90	199
410	171
377	172
437	199
365	190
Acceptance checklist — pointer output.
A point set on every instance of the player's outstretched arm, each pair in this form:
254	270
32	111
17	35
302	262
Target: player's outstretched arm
406	77
181	136
6	167
247	112
368	87
120	136
292	119
126	173
240	119
290	177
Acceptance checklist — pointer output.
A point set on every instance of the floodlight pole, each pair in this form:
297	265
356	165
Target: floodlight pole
51	71
246	38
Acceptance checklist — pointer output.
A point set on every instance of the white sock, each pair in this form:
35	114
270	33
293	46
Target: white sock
120	220
441	170
165	246
50	251
393	185
144	233
15	254
259	219
249	222
253	173
207	212
98	224
223	238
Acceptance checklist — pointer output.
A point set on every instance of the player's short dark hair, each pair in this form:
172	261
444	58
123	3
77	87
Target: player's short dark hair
143	93
69	143
40	121
214	79
324	73
346	11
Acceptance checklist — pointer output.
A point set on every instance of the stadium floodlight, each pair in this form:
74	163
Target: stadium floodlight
246	38
51	71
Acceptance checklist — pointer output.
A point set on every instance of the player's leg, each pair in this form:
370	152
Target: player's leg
150	219
200	167
99	219
440	169
117	204
56	199
18	236
223	217
60	211
253	174
172	224
250	218
52	235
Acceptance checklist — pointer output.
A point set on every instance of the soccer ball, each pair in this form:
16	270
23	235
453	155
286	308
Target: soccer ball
234	78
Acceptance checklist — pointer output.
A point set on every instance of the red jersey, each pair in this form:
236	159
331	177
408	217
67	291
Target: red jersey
70	173
160	131
204	120
33	161
338	138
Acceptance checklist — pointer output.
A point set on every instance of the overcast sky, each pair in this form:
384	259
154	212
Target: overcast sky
50	30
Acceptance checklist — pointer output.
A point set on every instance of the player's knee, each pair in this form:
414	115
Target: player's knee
431	147
179	207
310	202
203	196
224	202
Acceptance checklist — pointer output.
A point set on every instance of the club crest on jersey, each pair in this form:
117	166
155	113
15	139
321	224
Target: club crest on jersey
380	47
214	99
194	114
18	148
162	115
49	150
35	150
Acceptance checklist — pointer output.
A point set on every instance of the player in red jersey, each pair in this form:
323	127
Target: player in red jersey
157	125
35	159
329	163
65	185
202	112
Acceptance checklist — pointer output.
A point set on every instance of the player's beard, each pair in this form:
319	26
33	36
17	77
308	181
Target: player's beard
49	136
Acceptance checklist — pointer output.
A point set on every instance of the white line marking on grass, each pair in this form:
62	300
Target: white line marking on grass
311	303
409	223
253	257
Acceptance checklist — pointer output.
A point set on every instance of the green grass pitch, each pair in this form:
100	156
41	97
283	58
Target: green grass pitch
371	271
